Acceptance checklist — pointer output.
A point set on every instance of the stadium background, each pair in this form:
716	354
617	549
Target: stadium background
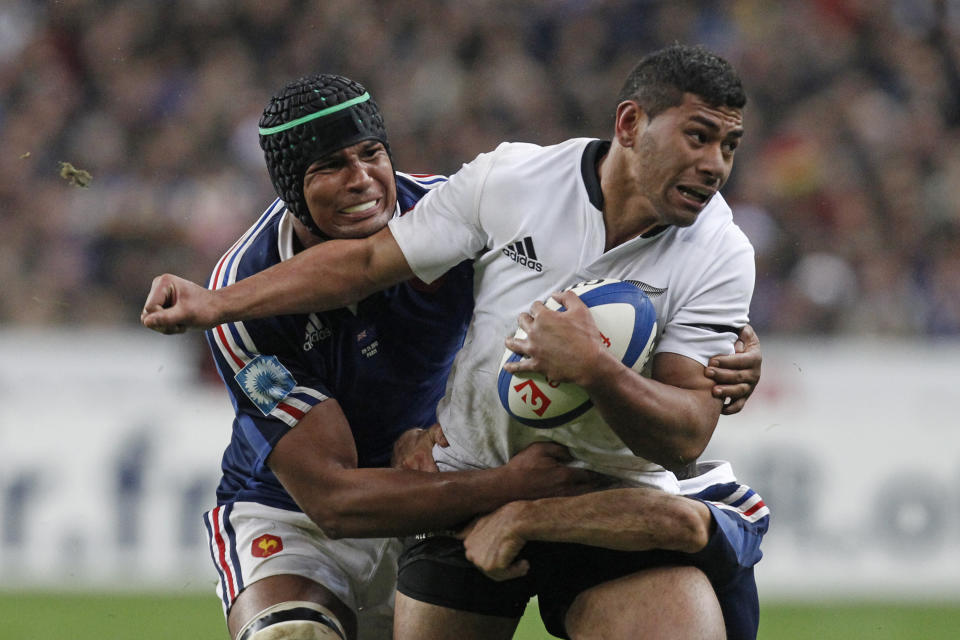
845	184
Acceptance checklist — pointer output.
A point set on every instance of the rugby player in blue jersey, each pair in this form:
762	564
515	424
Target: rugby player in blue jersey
321	397
303	534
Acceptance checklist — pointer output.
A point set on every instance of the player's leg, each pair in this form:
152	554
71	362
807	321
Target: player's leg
740	521
416	620
442	596
662	602
740	605
290	607
280	577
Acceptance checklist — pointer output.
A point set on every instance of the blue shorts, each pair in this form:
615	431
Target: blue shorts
436	570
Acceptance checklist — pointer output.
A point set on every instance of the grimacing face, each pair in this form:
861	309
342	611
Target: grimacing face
351	193
685	154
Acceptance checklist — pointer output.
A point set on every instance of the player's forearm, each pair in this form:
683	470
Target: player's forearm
666	424
624	519
395	502
326	276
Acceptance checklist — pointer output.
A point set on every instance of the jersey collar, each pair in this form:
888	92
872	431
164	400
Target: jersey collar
592	154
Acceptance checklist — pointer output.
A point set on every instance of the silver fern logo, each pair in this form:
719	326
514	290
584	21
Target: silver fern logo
648	289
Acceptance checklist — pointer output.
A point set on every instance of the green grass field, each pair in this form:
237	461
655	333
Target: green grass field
143	617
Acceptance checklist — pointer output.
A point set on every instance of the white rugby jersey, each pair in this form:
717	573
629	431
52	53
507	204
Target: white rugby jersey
531	218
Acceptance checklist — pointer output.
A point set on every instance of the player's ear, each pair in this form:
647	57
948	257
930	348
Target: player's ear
629	122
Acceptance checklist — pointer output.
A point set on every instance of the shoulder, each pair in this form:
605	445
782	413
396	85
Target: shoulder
520	161
513	151
411	187
258	248
733	236
419	181
715	226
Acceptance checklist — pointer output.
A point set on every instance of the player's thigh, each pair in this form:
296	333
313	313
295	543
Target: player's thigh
663	603
441	594
266	556
274	590
416	620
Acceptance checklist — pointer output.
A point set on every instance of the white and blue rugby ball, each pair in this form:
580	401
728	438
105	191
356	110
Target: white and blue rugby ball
627	321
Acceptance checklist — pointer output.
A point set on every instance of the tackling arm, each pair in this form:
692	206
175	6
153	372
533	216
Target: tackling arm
316	462
633	519
327	276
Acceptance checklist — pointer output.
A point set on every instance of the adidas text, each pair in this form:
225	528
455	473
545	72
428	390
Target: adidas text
523	253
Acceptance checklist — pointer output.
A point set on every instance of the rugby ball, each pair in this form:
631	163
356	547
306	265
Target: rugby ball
627	322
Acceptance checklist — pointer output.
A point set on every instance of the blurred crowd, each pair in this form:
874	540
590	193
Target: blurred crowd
843	181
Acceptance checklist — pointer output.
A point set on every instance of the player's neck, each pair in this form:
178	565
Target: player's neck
626	214
305	238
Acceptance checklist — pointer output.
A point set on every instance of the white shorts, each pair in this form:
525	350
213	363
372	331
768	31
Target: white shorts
250	541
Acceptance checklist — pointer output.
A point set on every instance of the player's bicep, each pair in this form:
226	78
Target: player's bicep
680	371
687	374
700	410
310	453
387	264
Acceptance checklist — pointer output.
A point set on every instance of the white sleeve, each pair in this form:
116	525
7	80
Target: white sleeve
443	229
707	323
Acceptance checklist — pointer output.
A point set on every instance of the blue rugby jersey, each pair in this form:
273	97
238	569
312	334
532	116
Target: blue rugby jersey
386	363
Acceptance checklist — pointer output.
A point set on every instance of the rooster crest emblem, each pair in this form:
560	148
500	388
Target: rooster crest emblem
266	545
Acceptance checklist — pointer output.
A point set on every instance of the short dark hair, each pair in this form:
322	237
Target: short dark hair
660	79
308	119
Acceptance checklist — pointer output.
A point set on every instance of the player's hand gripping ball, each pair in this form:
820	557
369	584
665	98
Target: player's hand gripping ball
627	322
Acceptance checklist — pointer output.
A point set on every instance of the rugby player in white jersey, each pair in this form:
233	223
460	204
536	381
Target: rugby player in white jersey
642	207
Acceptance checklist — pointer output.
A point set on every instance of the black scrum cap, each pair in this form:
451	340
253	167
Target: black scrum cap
310	118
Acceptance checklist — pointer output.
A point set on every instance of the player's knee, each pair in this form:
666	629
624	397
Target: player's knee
297	620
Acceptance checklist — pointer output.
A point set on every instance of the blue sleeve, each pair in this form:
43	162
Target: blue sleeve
270	391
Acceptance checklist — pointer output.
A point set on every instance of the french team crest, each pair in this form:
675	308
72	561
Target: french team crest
266	545
266	382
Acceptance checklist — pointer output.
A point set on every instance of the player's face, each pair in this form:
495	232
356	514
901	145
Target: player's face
684	155
351	193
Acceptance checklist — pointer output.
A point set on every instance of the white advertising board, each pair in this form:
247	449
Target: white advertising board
111	452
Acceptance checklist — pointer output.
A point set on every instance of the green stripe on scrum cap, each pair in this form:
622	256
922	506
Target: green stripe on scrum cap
266	131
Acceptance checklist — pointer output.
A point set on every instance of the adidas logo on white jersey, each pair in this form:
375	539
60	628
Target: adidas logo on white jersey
523	253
